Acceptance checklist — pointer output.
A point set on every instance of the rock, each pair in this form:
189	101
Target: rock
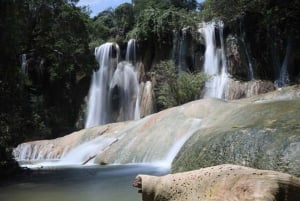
237	89
261	132
220	183
146	99
237	62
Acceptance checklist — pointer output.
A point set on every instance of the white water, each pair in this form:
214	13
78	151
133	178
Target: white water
124	90
98	110
131	57
114	91
87	151
131	51
214	61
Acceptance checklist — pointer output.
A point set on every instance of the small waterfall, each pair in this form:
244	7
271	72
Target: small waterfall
251	72
215	60
98	111
131	51
86	152
167	161
283	78
24	66
179	49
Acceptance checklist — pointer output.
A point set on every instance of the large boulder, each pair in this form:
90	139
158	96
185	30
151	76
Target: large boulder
220	183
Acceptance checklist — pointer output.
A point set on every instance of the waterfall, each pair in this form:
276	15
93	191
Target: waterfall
283	78
131	51
24	66
114	91
179	49
214	60
124	92
251	72
98	111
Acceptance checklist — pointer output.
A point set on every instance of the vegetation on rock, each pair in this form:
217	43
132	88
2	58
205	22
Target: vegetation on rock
173	88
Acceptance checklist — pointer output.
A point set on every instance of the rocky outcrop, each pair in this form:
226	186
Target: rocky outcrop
237	89
220	183
261	132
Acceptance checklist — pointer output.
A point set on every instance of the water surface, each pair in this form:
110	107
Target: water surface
107	183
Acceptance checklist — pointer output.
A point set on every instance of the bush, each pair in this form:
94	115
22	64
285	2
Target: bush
173	89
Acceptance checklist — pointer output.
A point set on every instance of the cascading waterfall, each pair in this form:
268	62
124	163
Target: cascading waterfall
98	111
114	91
213	58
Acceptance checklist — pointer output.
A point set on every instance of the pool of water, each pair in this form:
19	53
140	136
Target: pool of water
94	183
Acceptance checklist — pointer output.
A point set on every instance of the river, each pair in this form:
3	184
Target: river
94	183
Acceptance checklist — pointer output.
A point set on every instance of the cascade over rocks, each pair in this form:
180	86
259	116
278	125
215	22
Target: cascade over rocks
261	132
220	183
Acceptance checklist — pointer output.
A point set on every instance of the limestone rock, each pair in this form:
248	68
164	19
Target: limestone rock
237	89
220	183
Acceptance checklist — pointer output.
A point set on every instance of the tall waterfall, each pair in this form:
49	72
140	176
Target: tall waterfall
215	60
114	90
98	110
132	58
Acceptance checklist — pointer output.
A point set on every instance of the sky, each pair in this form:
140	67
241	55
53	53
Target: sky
97	6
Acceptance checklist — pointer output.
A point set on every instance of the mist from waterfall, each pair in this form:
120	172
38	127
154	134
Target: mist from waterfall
215	64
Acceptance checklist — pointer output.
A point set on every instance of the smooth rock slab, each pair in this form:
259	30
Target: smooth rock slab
220	183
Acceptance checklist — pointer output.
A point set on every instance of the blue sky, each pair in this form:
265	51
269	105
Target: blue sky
97	6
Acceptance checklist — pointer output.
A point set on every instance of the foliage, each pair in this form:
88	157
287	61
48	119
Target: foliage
174	89
157	24
274	13
41	102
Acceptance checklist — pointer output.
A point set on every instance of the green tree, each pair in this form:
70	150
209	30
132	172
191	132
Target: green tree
125	18
173	89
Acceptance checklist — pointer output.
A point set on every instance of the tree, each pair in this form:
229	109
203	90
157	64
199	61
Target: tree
125	18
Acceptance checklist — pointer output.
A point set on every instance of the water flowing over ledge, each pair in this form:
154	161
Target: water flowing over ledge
157	139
